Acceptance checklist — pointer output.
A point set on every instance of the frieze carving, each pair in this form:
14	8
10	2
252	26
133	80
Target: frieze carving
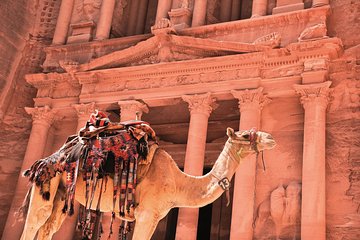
200	103
316	64
283	71
171	81
88	88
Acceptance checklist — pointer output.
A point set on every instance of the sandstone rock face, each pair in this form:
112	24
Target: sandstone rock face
343	146
21	42
344	21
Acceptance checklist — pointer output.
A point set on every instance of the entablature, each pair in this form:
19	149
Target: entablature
275	69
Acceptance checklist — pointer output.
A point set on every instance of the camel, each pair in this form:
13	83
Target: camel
163	187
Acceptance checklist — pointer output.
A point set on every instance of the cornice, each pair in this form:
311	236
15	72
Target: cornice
297	53
47	79
175	68
88	46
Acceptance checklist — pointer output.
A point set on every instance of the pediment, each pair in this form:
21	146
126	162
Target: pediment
170	48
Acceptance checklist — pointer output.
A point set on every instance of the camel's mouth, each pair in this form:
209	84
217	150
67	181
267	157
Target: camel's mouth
266	142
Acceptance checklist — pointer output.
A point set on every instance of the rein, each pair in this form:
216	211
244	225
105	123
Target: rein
253	144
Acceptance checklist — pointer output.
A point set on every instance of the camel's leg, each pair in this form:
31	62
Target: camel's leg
39	210
146	222
55	220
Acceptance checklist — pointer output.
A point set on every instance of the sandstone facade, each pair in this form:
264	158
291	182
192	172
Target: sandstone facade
289	67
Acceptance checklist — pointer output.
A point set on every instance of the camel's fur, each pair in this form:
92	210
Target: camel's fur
163	187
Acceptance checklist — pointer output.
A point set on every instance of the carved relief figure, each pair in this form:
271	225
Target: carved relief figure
317	31
86	10
278	217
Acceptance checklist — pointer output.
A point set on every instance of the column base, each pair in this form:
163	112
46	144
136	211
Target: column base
180	18
288	8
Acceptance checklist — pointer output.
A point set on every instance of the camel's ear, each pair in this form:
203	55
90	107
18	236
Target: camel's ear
230	132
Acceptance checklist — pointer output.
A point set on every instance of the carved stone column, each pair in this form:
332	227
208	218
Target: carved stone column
105	20
259	8
199	13
132	108
200	107
314	98
236	10
128	111
133	17
163	8
250	104
43	118
83	111
67	229
63	22
225	10
140	22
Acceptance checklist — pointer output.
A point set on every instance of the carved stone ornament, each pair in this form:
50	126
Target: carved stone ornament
200	103
314	93
317	31
41	115
162	26
88	9
84	109
278	217
273	40
132	108
251	98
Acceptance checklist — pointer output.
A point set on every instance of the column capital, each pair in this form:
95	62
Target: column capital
200	103
253	98
84	109
314	93
42	115
133	106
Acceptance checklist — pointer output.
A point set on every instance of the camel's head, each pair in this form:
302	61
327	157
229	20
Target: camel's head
250	141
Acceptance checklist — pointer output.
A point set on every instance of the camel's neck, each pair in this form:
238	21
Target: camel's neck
199	191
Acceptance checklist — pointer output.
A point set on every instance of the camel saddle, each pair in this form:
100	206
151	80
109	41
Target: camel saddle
100	150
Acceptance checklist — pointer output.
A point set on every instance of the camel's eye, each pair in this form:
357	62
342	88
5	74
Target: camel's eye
246	136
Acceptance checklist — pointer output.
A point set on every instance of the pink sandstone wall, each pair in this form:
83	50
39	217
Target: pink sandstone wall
19	55
16	20
22	36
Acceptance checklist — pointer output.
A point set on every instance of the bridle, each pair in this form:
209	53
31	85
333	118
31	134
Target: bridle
253	143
